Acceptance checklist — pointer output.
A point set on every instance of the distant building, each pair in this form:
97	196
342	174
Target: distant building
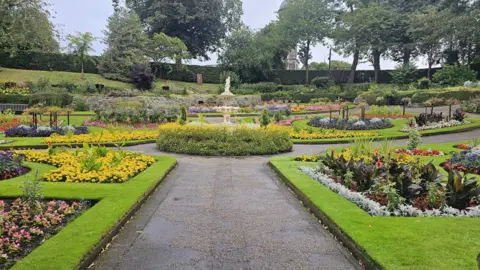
292	57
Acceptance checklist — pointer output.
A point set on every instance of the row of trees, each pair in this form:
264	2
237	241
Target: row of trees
441	31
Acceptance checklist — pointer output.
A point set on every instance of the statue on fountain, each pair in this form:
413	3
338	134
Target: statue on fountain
227	92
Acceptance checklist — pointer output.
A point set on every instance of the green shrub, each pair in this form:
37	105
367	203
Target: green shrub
79	104
457	93
234	79
454	75
210	140
14	99
60	99
471	106
404	74
321	82
264	118
424	83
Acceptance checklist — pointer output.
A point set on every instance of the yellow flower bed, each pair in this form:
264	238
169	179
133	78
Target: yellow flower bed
103	137
330	134
88	166
400	158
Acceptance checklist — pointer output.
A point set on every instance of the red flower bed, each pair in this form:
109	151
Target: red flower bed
25	225
419	152
463	146
5	125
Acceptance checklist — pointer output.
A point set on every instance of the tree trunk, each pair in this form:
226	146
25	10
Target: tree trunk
376	63
431	111
429	72
83	74
406	56
404	105
307	52
356	56
449	112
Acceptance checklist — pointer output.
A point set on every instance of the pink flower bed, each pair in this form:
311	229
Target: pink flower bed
288	122
90	123
321	108
24	226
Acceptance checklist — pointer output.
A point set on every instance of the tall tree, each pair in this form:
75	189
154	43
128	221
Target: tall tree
81	45
126	42
426	29
200	24
162	48
25	25
307	23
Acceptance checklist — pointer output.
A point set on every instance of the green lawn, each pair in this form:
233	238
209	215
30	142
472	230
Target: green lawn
67	249
55	77
392	133
392	242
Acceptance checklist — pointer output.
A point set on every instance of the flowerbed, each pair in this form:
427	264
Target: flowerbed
288	122
308	158
438	125
350	124
91	165
98	123
25	225
103	137
330	134
216	140
8	124
335	107
20	91
204	109
395	185
272	108
466	161
372	115
11	165
419	152
25	131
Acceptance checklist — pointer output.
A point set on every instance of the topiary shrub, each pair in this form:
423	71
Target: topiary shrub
264	118
214	140
454	75
404	74
321	82
414	139
424	83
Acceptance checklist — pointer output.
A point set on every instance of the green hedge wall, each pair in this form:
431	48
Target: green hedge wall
187	73
460	94
14	99
61	99
46	61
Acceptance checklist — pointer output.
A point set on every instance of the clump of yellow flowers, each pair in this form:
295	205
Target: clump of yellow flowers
103	137
329	134
91	164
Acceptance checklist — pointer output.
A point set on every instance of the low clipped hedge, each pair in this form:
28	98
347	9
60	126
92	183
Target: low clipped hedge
211	140
457	93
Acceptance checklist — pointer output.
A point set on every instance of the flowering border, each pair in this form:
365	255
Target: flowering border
375	209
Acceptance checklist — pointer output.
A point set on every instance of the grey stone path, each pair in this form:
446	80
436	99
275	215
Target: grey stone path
224	213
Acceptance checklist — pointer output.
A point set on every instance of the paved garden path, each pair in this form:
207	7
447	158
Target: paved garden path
229	213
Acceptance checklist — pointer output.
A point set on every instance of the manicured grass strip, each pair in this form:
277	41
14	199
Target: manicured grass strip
390	133
392	242
68	248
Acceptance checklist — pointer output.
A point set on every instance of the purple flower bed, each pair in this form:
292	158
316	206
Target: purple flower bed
466	161
273	108
11	165
23	131
26	225
193	110
348	124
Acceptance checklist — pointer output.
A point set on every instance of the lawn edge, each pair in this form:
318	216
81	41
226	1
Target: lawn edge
365	260
108	237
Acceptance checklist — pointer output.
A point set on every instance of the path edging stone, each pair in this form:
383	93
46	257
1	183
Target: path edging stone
97	250
365	260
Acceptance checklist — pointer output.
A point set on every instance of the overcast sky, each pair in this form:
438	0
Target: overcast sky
91	16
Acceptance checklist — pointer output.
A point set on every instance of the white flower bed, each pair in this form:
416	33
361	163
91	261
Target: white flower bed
442	124
375	209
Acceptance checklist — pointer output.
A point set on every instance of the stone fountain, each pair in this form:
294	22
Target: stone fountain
227	110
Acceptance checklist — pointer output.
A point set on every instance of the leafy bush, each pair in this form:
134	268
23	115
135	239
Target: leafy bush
346	124
234	78
471	106
424	83
14	99
142	77
423	119
457	93
454	75
404	74
321	82
208	140
459	115
414	139
264	118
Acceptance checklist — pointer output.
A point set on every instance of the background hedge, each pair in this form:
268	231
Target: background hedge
46	61
187	73
61	98
460	94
